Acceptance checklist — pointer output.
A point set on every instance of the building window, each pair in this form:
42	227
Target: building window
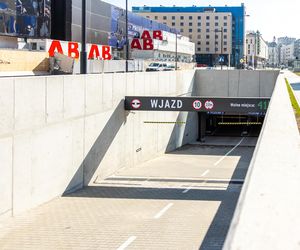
156	17
225	43
225	36
216	18
181	17
190	30
248	52
207	30
199	17
190	36
164	23
207	18
207	36
173	24
190	18
216	24
225	49
164	17
207	42
225	24
147	16
199	36
207	24
216	36
190	24
216	49
225	30
199	43
216	43
225	17
199	24
173	17
181	24
199	49
181	30
207	49
199	30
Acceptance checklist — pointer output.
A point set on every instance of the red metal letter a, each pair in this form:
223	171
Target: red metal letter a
135	44
94	52
55	47
146	35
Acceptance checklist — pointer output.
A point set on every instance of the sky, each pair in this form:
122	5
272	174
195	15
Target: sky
271	17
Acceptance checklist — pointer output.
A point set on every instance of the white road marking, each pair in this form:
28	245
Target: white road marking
186	190
205	173
189	188
216	163
127	243
161	212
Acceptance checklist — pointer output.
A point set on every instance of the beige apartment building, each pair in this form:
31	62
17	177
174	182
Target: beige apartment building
211	31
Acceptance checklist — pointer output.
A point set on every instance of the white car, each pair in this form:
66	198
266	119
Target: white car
157	67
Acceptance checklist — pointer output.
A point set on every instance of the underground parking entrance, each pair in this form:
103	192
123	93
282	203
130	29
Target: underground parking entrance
217	116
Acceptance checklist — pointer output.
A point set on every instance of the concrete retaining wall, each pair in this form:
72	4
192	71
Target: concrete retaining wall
58	133
267	214
235	83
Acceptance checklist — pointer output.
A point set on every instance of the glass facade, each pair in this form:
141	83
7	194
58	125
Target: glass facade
26	18
105	22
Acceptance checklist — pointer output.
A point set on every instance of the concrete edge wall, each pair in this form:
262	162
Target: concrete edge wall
59	133
235	83
267	213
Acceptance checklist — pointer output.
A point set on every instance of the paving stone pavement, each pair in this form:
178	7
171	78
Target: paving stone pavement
182	200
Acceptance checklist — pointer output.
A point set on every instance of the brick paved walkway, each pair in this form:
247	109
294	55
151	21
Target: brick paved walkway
182	200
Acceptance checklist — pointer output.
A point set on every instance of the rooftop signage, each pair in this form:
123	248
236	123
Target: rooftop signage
145	42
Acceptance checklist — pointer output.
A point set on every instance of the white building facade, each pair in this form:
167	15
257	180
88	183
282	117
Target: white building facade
287	54
274	56
166	49
257	52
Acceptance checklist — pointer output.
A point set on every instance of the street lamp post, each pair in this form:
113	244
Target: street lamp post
127	42
176	51
83	54
222	38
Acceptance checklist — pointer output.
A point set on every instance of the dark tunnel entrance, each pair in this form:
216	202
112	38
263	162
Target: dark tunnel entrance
233	125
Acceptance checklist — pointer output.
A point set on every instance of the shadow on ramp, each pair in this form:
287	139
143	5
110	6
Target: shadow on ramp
97	152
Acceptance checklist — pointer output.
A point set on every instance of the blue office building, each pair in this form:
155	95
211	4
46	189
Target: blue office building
238	26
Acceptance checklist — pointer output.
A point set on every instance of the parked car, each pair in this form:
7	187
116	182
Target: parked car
169	68
156	67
